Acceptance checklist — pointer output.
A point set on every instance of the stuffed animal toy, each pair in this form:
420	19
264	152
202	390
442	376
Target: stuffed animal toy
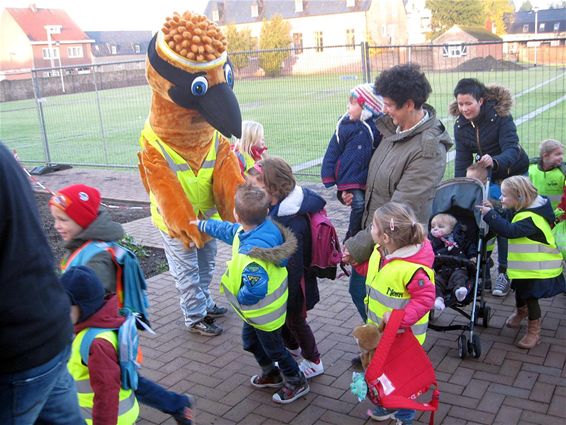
367	337
185	162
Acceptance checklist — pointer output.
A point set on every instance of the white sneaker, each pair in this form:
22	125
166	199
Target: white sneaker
311	369
439	304
461	293
502	286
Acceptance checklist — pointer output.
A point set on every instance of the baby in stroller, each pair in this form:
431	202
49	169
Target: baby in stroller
452	278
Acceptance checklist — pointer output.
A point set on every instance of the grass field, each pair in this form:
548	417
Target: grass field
299	115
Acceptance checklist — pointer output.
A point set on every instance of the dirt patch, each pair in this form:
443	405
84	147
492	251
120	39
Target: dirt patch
488	63
152	260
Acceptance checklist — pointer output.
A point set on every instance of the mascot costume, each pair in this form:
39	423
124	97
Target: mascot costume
185	162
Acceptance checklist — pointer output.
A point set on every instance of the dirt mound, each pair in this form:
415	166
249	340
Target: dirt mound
488	63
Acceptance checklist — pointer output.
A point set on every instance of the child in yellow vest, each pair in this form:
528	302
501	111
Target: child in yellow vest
255	284
399	276
547	172
534	262
251	146
102	399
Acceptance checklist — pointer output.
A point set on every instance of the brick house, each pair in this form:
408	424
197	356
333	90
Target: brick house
317	27
32	38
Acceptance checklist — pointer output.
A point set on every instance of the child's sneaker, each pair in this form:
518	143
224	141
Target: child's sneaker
502	285
461	293
289	392
311	369
217	311
187	415
439	305
206	327
271	380
381	414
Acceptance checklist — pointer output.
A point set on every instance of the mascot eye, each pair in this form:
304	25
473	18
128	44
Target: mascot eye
229	74
199	86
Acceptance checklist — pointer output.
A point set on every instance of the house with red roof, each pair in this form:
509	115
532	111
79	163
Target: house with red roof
32	38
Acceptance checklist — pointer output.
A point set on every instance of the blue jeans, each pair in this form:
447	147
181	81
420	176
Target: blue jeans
45	394
267	348
358	205
502	250
154	395
192	270
357	291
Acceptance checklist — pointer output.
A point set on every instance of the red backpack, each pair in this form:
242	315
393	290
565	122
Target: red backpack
326	254
400	371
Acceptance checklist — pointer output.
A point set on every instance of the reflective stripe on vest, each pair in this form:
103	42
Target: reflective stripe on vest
269	313
128	408
529	259
548	183
197	188
386	290
490	245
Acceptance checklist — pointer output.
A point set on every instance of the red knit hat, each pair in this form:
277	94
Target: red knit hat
79	201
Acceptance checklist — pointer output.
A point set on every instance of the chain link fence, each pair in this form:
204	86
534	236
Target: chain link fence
92	115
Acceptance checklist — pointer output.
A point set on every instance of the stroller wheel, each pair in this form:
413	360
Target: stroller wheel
462	346
486	314
474	346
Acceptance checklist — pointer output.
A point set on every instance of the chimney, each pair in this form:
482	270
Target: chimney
33	8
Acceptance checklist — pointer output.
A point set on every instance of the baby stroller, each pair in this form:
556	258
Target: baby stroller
459	197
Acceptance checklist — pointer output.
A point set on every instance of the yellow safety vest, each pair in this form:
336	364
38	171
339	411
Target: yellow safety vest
249	161
197	188
128	408
529	259
269	313
386	289
548	183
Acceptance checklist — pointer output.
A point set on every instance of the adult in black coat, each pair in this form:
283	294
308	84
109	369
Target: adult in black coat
484	130
35	324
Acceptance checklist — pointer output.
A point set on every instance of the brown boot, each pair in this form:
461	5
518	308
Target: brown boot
514	321
532	338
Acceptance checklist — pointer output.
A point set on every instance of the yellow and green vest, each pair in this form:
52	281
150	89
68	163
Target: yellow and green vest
270	312
197	188
386	289
128	408
529	259
548	183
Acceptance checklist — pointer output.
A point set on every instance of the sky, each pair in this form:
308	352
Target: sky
113	15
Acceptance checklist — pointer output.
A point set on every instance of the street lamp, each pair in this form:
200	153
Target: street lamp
54	29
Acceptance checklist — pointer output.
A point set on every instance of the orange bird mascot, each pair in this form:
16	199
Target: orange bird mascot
185	162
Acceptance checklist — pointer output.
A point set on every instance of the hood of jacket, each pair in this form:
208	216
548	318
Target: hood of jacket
497	99
106	317
420	254
299	201
101	229
346	127
269	242
542	207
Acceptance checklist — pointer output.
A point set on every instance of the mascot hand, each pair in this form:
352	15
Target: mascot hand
188	234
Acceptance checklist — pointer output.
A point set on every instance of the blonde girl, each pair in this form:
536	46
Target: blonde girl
547	172
251	146
400	276
534	262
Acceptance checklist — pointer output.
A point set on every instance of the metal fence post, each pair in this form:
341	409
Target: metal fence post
39	104
100	121
366	62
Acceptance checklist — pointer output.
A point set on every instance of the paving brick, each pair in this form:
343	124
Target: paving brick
471	415
509	390
507	416
539	419
491	402
525	380
542	392
523	404
476	388
558	406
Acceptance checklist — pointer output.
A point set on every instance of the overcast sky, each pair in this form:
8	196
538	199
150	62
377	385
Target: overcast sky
105	15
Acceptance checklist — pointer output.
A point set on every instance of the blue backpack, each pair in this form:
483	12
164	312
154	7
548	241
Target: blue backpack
130	282
128	350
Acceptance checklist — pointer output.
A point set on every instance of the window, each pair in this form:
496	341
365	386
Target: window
255	10
298	42
75	52
557	26
454	50
137	48
319	41
350	3
113	49
298	6
54	53
215	15
350	39
541	27
526	28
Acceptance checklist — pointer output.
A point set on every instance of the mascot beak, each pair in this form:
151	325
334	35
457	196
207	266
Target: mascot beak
221	109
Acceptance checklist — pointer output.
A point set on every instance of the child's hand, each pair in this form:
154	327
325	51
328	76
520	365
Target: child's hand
195	222
347	198
347	258
485	208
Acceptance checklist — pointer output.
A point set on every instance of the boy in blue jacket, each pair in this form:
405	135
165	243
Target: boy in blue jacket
255	284
346	161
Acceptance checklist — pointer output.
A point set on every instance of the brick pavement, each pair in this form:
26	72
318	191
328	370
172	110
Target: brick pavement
506	385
